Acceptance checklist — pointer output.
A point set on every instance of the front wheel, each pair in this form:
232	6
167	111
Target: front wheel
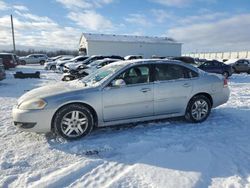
198	109
73	121
53	67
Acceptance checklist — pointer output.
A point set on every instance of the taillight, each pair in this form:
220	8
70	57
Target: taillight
225	83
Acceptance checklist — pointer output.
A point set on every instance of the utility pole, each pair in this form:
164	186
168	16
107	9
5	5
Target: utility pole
13	34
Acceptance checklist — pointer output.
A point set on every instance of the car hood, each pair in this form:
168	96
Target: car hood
51	90
63	62
24	57
73	65
51	63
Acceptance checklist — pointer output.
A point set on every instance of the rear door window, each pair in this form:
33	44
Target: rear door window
165	72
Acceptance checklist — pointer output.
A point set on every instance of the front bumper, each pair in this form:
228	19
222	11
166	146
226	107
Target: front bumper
32	120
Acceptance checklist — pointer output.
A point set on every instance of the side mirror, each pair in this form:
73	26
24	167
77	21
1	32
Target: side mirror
118	83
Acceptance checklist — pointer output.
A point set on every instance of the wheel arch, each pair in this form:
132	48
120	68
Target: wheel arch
92	110
204	94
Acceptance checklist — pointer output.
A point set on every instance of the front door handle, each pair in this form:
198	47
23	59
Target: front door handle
186	85
144	90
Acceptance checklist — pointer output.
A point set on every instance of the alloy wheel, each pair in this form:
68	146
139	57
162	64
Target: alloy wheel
74	124
199	109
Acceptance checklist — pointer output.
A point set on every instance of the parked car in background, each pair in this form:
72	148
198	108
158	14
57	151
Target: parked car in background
53	58
9	60
51	64
241	65
75	74
130	57
34	59
158	57
186	59
80	58
80	65
218	67
2	70
120	93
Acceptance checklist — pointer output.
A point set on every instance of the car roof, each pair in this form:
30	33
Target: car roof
153	61
38	54
5	53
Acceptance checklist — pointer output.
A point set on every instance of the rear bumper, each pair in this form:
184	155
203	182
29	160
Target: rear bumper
221	97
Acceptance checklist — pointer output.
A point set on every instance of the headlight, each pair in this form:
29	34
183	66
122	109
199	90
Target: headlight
36	104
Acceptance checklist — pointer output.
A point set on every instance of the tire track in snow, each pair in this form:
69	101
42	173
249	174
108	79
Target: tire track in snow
67	175
103	175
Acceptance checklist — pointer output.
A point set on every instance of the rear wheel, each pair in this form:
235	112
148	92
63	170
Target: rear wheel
73	121
23	62
42	62
198	109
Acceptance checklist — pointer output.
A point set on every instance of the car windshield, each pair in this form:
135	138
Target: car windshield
95	63
91	59
76	58
102	74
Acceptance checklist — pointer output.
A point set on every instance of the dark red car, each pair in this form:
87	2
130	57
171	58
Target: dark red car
9	60
2	71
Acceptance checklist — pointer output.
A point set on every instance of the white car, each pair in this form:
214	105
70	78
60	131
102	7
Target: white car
99	64
50	64
76	59
34	59
75	66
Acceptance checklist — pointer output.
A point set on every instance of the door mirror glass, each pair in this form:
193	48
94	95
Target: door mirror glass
118	83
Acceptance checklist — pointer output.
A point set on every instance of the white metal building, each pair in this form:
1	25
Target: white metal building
104	44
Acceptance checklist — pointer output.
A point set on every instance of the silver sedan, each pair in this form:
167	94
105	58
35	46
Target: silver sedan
119	93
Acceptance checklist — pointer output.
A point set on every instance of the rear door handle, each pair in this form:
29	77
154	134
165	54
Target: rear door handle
144	90
186	85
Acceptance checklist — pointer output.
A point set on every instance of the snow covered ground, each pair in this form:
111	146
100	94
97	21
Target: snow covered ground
169	153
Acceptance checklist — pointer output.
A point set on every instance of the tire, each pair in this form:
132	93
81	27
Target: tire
42	62
23	62
225	74
53	67
248	72
198	109
67	121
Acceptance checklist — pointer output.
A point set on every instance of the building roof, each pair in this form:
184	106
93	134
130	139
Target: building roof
126	38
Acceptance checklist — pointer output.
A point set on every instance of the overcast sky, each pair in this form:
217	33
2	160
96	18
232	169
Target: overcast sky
202	25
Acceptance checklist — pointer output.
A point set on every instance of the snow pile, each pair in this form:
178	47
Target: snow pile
169	153
126	38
